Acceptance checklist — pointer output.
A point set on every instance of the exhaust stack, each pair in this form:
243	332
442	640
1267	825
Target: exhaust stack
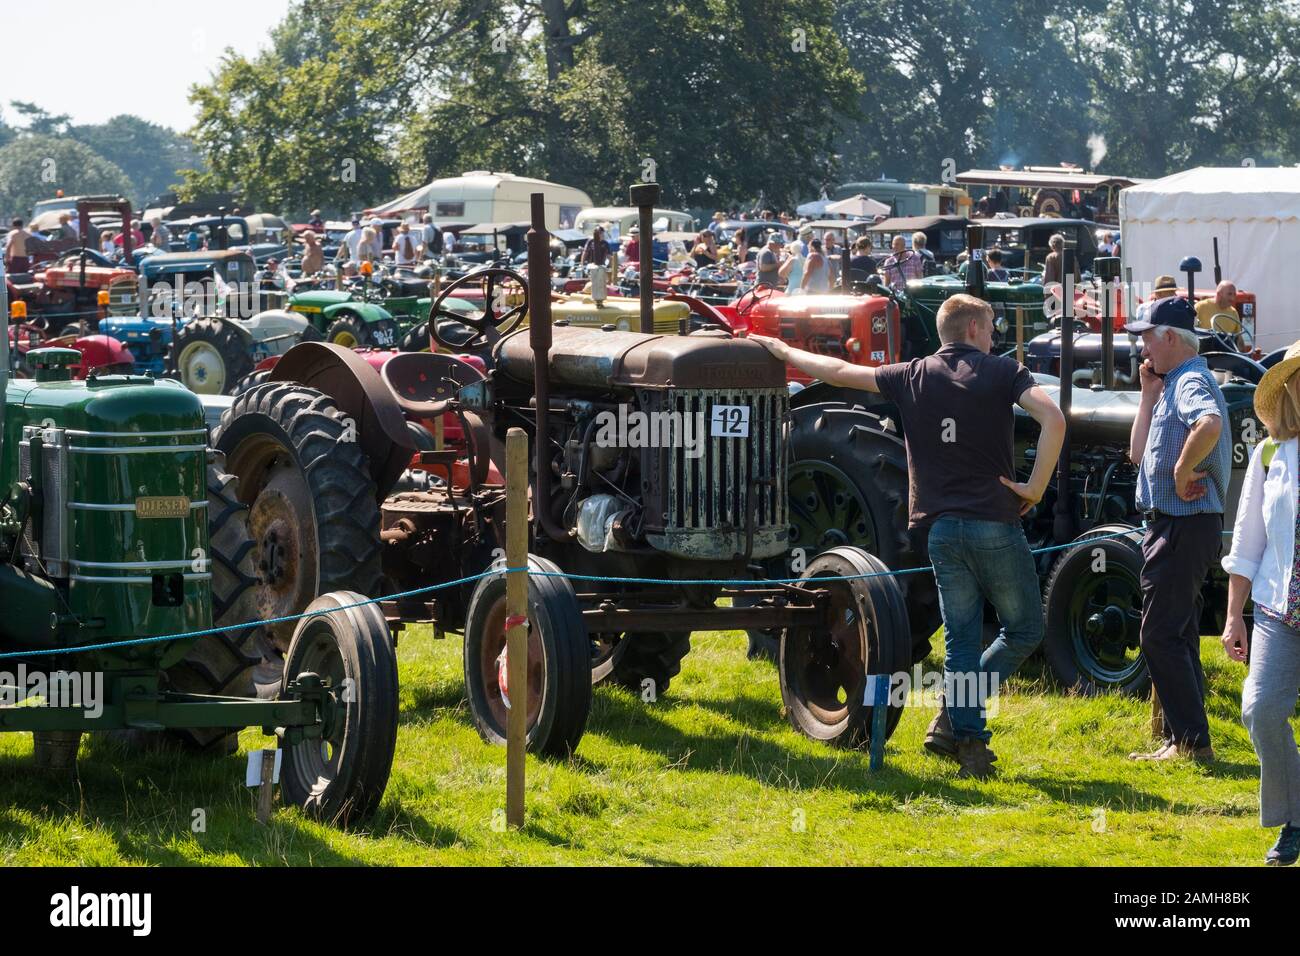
539	339
645	196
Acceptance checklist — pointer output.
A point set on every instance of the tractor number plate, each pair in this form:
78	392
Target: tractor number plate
730	421
163	506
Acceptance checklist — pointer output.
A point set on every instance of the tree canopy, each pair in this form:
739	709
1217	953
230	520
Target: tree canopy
33	166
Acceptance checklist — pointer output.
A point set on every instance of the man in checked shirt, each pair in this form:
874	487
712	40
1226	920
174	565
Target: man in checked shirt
1182	441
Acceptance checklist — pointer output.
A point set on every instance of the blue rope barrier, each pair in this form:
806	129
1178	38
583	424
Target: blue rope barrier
184	635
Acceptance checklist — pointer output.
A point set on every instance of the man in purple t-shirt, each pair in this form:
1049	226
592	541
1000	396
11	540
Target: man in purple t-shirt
958	424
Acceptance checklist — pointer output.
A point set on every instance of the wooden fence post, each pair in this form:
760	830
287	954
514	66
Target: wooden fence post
516	613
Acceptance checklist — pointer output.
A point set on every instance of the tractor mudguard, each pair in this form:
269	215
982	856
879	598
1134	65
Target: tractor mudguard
818	393
358	390
367	312
274	322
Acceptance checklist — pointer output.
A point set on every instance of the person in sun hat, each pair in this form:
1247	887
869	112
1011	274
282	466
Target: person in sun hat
1264	564
1182	446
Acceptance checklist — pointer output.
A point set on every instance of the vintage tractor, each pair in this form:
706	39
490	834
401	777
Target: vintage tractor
120	526
329	454
198	317
64	296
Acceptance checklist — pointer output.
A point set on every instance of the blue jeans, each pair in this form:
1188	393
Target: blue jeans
976	561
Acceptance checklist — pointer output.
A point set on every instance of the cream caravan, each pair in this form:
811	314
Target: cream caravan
480	196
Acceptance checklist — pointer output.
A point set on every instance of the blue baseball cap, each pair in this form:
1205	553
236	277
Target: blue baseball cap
1174	312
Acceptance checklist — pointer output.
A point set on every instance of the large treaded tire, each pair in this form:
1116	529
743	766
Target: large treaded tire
416	339
834	442
301	468
248	381
222	663
198	345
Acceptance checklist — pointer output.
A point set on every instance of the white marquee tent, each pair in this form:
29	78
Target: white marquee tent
1254	212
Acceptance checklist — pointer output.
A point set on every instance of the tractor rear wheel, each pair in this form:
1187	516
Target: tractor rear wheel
249	380
559	661
416	339
1049	202
222	663
341	778
848	486
208	356
313	514
824	671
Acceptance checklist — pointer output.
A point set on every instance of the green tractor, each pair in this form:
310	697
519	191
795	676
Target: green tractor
124	542
386	313
1011	301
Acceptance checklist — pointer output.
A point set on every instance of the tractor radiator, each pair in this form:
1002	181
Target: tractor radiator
719	490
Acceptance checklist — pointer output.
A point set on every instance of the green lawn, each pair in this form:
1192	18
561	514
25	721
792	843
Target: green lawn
712	774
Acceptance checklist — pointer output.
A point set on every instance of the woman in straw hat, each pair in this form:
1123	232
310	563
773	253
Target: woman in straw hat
1265	563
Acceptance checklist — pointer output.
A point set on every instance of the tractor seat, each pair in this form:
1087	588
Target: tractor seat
424	382
408	285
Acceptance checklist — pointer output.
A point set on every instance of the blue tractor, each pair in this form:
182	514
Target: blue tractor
200	317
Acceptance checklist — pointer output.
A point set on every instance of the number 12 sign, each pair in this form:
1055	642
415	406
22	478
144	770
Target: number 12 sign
730	421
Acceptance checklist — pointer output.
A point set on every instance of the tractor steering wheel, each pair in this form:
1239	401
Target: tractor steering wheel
755	298
1222	324
488	327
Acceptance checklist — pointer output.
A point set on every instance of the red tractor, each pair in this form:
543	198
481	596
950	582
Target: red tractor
64	298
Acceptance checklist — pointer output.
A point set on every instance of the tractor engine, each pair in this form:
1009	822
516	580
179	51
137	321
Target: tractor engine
670	443
106	516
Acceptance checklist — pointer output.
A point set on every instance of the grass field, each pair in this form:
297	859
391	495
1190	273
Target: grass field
710	774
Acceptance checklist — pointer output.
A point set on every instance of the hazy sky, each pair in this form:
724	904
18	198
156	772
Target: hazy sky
64	55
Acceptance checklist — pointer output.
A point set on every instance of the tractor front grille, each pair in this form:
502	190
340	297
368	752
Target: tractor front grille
705	498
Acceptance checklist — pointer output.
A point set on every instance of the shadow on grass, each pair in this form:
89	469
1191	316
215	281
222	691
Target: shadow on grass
775	765
145	800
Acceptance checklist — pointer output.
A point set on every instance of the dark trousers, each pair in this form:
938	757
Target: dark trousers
1178	553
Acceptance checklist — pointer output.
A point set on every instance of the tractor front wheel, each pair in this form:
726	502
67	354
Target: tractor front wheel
208	356
340	777
1092	609
559	662
352	332
823	670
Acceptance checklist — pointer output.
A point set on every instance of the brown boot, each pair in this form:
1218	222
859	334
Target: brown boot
975	758
938	736
939	739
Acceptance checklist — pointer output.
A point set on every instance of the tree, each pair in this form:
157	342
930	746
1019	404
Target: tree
39	121
1205	82
959	83
33	167
149	154
583	92
289	137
